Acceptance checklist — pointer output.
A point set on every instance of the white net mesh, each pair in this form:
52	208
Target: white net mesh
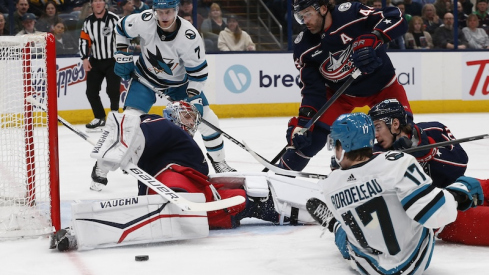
25	204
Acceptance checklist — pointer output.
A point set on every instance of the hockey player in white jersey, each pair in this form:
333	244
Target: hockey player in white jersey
172	59
383	209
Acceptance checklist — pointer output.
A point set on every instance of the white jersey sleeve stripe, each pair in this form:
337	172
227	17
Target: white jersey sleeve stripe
416	195
430	208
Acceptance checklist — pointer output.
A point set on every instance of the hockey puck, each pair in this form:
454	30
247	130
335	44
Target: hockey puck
142	258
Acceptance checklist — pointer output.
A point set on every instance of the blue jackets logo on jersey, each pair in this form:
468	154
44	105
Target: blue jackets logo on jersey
338	65
237	79
344	7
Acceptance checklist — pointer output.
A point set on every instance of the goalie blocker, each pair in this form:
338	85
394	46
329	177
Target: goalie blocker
149	219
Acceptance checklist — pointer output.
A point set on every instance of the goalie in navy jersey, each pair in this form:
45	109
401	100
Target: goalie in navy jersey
173	60
339	40
443	164
383	208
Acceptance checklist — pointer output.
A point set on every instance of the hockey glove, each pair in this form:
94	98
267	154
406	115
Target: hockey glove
124	65
197	102
364	56
467	192
294	137
402	143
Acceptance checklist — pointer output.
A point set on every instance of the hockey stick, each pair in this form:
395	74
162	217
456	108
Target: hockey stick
149	180
281	171
321	111
444	143
212	126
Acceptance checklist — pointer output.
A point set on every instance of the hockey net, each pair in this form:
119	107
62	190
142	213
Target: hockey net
29	180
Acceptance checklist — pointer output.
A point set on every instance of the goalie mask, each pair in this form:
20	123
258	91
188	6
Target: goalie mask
184	115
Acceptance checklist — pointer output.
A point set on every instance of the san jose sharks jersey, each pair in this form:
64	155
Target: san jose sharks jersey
443	164
167	59
324	58
388	207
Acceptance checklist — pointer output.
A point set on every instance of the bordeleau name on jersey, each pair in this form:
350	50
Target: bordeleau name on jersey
356	193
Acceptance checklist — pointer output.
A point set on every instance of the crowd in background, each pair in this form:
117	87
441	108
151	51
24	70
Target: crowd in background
431	22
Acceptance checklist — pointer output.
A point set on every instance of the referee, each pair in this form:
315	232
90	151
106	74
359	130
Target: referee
97	47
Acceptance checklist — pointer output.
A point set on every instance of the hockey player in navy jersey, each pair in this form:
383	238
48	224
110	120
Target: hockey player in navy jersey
383	208
173	60
337	41
164	147
443	164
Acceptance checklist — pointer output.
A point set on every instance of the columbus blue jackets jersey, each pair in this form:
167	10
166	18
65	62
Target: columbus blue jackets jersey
324	58
388	207
166	143
445	164
168	59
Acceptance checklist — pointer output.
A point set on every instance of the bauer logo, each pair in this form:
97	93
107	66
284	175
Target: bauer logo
237	79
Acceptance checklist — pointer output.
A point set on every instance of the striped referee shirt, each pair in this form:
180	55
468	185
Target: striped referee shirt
97	37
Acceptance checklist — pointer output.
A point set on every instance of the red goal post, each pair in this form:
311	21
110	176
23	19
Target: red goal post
29	163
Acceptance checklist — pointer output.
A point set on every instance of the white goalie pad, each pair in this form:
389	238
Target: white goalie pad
121	141
289	195
136	220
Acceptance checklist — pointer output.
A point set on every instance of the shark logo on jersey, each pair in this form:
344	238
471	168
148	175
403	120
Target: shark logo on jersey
159	63
344	7
190	34
338	65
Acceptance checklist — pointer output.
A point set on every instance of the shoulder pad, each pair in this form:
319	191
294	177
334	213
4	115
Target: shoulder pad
393	155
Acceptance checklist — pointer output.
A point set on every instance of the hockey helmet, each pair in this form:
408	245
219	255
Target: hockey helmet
354	131
300	5
387	110
184	115
165	4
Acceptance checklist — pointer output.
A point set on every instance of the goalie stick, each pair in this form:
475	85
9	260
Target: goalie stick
281	171
444	143
212	126
149	180
321	111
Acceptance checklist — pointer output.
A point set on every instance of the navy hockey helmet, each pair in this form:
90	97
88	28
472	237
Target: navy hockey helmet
165	4
184	115
300	5
354	131
387	110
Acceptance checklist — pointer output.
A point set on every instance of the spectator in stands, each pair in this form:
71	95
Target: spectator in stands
377	4
48	19
139	6
431	21
127	7
443	37
3	30
65	44
209	45
28	23
481	12
212	26
467	5
402	8
37	7
416	37
204	7
232	38
413	8
462	16
476	36
4	6
21	8
187	7
442	7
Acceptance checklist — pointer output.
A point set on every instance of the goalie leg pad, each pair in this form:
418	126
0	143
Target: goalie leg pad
121	141
136	220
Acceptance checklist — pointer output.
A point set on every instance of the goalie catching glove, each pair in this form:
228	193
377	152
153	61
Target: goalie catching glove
124	64
467	192
364	56
121	142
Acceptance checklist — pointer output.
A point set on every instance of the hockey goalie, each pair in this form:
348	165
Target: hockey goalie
164	147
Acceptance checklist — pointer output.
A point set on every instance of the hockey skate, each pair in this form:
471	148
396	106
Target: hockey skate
96	125
220	167
320	213
64	240
99	178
